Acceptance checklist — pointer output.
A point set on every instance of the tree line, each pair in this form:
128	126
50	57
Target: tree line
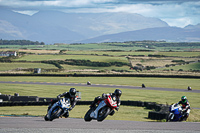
20	42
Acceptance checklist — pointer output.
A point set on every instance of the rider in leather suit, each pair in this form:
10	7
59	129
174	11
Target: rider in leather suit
185	106
71	95
117	93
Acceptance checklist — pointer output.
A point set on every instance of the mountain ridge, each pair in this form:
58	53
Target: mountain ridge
59	27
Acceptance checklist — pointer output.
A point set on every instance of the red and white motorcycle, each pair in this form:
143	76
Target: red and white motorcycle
102	109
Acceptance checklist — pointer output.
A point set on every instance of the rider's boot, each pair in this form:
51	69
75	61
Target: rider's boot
66	115
185	117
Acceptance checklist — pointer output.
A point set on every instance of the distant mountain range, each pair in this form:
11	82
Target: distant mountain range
58	27
173	34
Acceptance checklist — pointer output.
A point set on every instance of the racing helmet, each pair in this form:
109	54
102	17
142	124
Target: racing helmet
118	92
184	99
72	91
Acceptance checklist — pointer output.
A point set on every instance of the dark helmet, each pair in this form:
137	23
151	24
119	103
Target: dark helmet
184	99
72	92
118	92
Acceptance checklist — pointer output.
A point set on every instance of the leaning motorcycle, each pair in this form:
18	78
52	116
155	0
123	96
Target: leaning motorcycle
102	109
175	113
58	109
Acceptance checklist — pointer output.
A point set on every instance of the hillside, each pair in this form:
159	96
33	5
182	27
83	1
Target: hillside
173	34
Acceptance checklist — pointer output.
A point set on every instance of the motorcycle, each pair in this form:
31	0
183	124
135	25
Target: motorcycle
58	109
175	113
88	83
102	109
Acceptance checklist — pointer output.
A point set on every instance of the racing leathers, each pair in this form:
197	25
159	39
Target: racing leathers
185	109
72	98
104	96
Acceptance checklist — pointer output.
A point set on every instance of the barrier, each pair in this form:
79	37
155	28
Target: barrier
161	111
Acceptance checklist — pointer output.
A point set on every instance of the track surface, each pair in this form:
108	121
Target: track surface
37	124
101	85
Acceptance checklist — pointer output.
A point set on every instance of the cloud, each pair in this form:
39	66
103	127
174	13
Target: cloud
175	12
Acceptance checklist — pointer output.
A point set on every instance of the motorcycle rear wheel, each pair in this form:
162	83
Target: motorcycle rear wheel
103	113
87	115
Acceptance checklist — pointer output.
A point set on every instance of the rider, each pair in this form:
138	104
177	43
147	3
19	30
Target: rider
71	95
185	106
117	93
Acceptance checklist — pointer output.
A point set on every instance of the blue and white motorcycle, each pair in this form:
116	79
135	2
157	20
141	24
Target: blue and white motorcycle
175	113
58	109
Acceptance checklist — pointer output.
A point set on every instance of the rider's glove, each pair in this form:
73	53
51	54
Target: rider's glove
184	110
58	97
103	95
70	109
117	108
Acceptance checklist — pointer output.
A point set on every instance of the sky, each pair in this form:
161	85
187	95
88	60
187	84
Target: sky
179	13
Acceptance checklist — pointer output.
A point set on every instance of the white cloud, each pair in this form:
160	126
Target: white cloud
180	22
27	12
50	3
176	12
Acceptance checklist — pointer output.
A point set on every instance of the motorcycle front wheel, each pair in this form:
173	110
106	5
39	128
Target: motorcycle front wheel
45	118
87	115
169	118
103	113
55	113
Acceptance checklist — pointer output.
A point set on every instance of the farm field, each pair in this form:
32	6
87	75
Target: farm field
79	57
173	63
124	46
11	66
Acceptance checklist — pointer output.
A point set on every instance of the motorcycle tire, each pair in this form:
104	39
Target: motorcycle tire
55	114
45	118
87	117
103	113
112	112
168	118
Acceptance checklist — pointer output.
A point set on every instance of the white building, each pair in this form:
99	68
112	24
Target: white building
8	53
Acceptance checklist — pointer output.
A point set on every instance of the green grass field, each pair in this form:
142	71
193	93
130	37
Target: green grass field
193	66
11	66
79	57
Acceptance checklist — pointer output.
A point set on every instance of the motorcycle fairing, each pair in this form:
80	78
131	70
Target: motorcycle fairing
111	101
95	113
175	110
63	103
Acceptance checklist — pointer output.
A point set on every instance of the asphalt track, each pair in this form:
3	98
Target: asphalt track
101	85
72	125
